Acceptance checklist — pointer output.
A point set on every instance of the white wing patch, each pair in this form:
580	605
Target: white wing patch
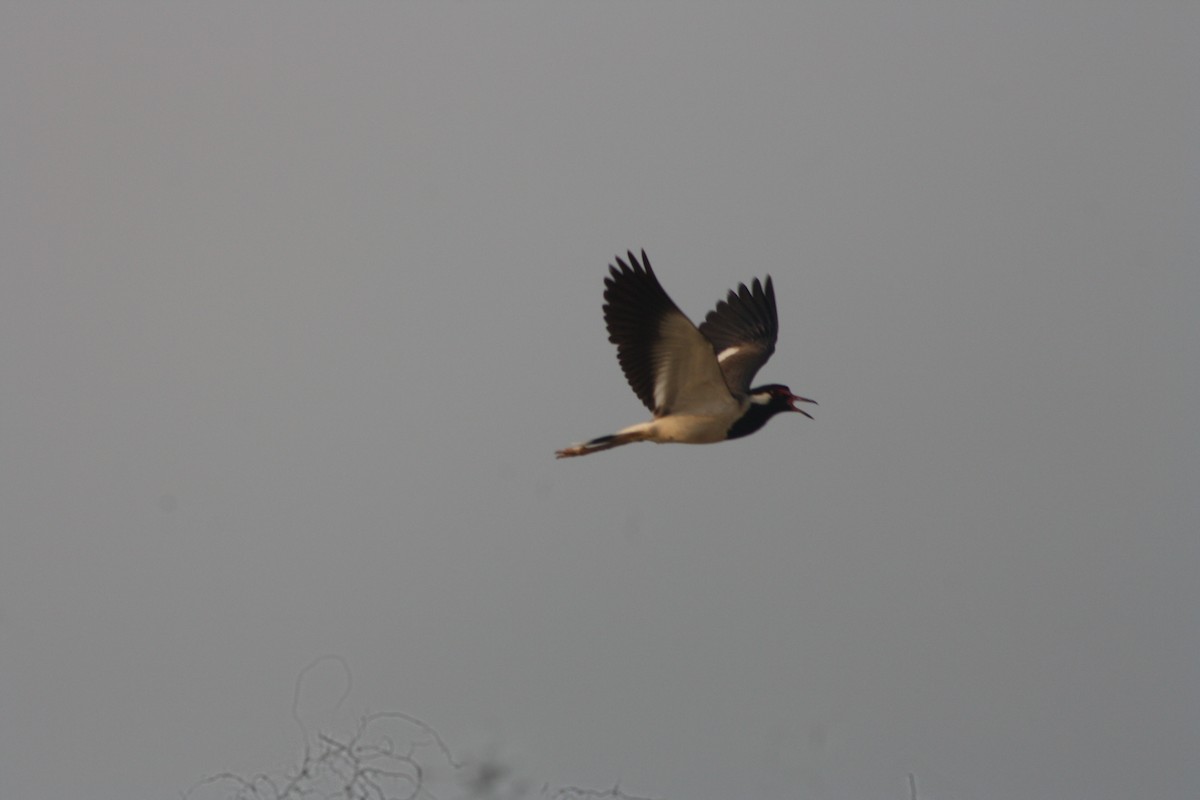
726	353
662	386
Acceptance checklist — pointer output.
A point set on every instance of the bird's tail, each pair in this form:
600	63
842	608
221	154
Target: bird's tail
603	443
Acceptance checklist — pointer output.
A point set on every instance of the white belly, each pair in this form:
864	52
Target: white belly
687	428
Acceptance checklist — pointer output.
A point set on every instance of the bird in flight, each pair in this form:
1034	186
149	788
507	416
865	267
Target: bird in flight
696	381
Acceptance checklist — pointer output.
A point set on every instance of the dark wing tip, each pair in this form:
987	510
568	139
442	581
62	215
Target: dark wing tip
632	267
644	266
634	306
745	319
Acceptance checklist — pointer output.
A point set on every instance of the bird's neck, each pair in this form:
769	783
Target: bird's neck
755	417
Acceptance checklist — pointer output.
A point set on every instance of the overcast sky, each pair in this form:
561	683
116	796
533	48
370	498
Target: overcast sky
298	300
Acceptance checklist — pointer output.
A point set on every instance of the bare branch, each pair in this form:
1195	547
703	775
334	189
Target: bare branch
576	793
388	756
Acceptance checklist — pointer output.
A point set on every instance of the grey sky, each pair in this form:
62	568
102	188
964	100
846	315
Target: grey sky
297	301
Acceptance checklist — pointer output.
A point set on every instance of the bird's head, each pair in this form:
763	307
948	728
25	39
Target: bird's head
776	397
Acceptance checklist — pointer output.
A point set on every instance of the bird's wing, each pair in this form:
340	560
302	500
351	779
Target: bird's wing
669	364
743	329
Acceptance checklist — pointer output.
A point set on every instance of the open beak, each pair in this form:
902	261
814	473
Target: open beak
798	399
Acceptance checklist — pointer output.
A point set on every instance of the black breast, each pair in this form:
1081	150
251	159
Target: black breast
755	417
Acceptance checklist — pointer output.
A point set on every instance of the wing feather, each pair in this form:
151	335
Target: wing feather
743	329
668	362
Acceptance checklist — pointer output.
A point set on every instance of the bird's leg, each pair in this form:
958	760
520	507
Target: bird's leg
601	443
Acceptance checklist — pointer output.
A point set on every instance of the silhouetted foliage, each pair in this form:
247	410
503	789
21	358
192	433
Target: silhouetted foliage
389	755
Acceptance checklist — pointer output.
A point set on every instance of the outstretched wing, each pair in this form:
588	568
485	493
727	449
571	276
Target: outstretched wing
743	328
669	364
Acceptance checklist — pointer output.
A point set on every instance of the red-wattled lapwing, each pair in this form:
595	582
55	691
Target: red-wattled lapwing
695	380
